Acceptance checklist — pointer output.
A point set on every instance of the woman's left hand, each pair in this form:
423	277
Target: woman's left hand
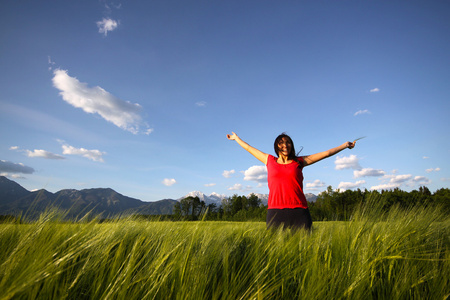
351	145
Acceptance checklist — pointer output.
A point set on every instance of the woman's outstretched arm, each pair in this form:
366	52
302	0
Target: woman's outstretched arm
261	156
313	158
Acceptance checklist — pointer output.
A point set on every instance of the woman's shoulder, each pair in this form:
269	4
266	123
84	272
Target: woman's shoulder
301	160
270	158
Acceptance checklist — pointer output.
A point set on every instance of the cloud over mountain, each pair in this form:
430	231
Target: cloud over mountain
10	167
95	155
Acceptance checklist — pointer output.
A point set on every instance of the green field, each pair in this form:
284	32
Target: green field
397	255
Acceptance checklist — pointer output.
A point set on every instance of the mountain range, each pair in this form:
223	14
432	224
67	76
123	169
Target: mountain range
217	198
16	200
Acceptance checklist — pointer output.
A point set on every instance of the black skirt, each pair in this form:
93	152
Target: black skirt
294	218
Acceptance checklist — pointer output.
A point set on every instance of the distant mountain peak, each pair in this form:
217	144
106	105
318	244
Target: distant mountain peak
208	199
217	198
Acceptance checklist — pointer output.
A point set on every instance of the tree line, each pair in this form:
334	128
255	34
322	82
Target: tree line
234	208
332	205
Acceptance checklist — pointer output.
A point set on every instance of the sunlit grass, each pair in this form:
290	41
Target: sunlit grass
398	255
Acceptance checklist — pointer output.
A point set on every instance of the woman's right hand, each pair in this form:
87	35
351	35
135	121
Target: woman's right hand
232	136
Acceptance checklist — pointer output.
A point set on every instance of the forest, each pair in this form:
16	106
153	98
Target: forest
331	205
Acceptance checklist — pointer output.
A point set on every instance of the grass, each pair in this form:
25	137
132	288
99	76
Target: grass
396	255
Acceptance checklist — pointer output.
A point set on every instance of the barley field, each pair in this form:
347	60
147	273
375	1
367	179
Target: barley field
394	255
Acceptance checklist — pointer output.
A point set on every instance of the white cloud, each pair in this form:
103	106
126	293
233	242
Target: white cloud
227	174
92	100
396	181
43	154
210	184
350	162
169	181
200	103
400	178
38	153
361	112
425	157
236	187
94	155
366	172
374	90
422	180
315	185
10	167
387	186
432	170
106	25
350	185
256	173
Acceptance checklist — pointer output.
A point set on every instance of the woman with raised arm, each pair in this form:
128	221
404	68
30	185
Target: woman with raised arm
287	205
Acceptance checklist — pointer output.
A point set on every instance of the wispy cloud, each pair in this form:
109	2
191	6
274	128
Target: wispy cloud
433	170
92	100
368	172
10	167
362	112
200	103
94	155
111	5
106	25
385	186
43	154
315	185
347	162
374	90
38	153
210	184
396	181
227	174
169	181
50	63
400	178
236	187
256	173
350	185
421	180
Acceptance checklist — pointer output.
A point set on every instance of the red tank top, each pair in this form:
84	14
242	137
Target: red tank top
285	184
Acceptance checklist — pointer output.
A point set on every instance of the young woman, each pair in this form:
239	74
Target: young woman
287	205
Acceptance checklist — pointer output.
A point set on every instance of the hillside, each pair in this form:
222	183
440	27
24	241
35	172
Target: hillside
16	200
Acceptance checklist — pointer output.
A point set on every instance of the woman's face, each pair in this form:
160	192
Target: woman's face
284	146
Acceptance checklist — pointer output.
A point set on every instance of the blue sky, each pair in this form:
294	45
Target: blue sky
138	96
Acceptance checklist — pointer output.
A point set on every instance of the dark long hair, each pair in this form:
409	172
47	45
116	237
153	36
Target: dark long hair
292	155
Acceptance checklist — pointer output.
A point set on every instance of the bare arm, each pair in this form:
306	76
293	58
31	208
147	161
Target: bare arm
261	156
313	158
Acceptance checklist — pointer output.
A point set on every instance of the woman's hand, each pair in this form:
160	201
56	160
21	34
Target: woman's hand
261	156
351	145
232	136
